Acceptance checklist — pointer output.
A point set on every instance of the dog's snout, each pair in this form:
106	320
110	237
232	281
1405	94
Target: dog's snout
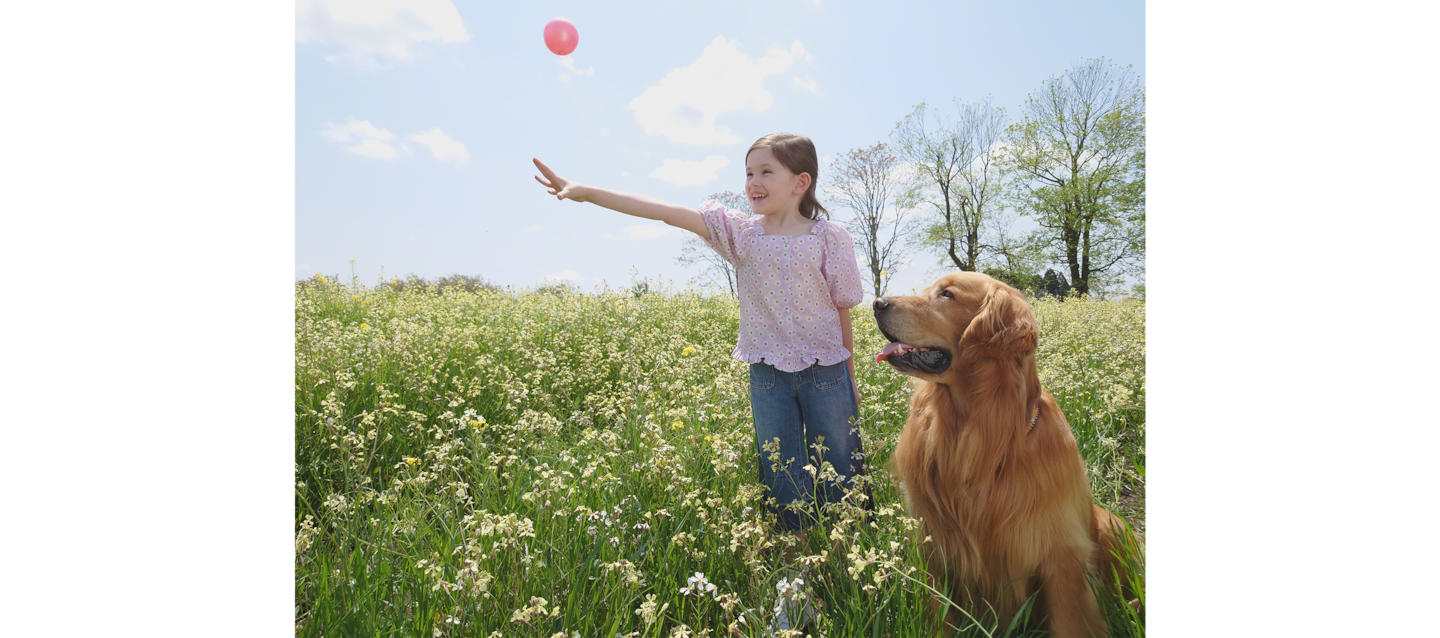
881	303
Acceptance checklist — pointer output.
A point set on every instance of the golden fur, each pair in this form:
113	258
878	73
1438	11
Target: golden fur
1008	510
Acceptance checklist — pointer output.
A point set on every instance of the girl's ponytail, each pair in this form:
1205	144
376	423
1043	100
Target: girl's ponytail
797	153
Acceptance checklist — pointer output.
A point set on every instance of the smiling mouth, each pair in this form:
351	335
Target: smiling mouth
903	355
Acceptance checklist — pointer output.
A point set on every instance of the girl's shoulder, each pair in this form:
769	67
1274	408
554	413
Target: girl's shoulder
716	208
830	229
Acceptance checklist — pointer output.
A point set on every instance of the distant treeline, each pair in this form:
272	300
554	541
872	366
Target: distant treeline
1050	284
465	283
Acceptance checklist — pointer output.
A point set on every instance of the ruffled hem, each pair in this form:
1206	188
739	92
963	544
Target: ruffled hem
793	362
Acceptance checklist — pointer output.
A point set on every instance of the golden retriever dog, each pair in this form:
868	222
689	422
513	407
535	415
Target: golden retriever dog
988	461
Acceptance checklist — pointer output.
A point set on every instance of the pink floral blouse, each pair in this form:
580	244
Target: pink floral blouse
790	288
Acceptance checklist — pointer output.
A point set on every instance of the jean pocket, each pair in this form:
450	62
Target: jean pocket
827	377
762	376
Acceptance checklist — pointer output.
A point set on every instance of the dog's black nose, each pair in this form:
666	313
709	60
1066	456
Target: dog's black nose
881	303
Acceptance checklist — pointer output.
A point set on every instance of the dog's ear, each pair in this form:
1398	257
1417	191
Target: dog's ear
1004	327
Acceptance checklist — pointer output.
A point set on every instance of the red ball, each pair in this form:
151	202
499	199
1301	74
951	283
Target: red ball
561	36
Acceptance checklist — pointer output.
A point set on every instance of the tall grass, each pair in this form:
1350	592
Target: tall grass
490	463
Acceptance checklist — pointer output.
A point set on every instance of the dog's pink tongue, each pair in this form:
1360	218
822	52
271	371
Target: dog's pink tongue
890	349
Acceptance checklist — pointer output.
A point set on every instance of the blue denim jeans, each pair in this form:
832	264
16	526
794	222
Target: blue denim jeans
797	409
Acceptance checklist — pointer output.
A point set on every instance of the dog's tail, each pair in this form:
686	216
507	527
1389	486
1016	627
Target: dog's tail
1122	560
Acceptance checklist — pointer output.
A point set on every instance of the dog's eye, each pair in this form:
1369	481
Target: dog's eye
946	294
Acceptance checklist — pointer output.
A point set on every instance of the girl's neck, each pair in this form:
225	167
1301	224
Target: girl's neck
790	223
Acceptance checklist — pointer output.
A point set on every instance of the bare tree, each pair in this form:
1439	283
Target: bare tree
957	177
865	180
1078	156
714	269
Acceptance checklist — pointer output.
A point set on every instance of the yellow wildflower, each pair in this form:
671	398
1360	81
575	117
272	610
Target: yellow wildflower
689	350
677	425
410	460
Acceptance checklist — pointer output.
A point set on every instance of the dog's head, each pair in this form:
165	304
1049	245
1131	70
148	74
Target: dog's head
965	314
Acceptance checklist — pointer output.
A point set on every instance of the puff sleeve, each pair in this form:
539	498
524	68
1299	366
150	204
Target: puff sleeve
724	229
842	273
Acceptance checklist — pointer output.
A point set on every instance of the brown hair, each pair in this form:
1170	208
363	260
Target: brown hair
797	154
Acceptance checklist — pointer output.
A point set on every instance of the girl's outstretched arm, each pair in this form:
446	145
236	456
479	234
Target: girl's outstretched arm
636	205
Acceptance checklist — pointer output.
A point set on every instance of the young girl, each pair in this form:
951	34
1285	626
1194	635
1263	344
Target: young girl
798	278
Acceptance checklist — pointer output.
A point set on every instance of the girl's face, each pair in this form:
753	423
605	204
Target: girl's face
772	188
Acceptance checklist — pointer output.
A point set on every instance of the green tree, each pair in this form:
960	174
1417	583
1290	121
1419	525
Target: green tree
956	178
1054	284
1009	251
1027	282
1077	165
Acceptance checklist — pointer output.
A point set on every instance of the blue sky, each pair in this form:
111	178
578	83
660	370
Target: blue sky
415	128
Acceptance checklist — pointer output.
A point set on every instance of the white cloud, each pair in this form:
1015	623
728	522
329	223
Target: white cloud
624	173
569	63
808	86
648	231
353	128
566	275
442	146
362	138
684	104
533	229
374	149
371	30
690	172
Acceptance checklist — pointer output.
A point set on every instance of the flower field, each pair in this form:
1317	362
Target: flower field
555	464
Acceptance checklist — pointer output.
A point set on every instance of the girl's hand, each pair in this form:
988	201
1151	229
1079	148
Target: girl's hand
559	187
857	396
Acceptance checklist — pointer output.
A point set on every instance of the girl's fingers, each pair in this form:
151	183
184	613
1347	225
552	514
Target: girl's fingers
554	180
551	186
558	187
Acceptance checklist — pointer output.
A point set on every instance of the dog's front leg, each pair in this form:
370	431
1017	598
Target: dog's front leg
1074	612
